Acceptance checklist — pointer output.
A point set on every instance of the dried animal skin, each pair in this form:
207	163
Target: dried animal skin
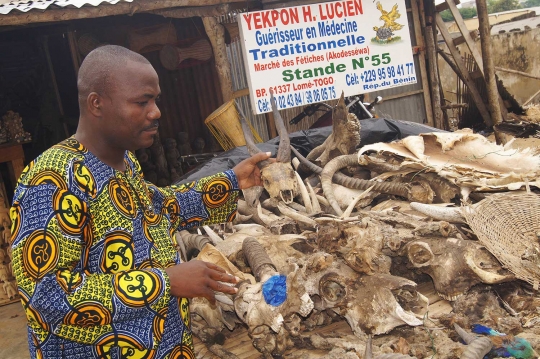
465	159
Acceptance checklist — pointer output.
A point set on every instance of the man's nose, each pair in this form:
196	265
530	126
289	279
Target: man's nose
154	113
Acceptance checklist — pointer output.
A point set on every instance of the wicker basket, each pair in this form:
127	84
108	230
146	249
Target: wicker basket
508	225
225	125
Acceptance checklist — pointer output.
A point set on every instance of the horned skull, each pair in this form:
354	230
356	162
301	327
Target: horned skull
278	177
372	304
455	265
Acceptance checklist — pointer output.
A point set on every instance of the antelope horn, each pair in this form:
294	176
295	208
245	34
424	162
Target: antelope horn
448	214
250	141
328	172
477	347
284	152
193	243
485	276
258	259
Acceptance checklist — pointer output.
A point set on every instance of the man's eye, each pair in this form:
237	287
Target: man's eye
158	99
142	103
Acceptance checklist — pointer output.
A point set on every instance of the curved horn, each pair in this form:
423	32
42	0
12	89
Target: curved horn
477	347
284	152
328	172
397	189
485	276
448	214
258	259
250	141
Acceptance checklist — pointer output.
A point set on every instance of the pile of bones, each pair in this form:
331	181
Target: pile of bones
353	235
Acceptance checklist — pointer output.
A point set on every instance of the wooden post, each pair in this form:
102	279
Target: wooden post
422	61
74	51
434	78
54	83
489	70
216	34
463	70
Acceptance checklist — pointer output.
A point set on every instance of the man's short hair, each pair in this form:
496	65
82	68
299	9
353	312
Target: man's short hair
95	73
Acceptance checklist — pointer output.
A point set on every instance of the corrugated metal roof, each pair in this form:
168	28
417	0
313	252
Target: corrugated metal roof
7	6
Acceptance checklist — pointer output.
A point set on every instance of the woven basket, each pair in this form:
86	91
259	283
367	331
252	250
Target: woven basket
508	225
224	123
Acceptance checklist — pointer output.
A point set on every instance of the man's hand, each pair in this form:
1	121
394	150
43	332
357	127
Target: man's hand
248	173
199	279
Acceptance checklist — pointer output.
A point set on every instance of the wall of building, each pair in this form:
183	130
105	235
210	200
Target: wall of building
513	50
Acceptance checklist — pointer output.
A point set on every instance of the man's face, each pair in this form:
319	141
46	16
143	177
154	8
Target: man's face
130	113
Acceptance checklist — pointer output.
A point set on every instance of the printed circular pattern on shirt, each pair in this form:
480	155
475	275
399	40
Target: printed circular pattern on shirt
159	323
71	212
172	208
15	215
131	353
121	198
182	352
68	280
137	288
88	314
84	178
119	340
152	218
49	177
40	254
33	315
216	192
117	252
72	144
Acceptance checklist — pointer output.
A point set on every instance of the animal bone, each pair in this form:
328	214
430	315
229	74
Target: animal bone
477	347
452	264
278	177
262	306
345	136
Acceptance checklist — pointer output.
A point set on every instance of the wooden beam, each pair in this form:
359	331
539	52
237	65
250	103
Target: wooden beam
517	72
201	11
434	78
404	94
122	8
216	34
422	61
463	70
443	6
489	69
465	33
240	93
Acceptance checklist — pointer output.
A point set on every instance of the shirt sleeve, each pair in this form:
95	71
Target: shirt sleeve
209	200
51	236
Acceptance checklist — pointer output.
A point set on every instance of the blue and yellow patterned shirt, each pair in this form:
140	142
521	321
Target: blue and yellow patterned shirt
90	245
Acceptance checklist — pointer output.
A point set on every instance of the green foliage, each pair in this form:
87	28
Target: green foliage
468	13
531	3
502	5
447	15
465	13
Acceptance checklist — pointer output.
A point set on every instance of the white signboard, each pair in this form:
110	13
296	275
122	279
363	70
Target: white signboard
311	53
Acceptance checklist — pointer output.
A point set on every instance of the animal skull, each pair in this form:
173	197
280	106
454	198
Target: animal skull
278	177
455	265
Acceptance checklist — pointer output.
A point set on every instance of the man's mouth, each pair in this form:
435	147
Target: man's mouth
153	127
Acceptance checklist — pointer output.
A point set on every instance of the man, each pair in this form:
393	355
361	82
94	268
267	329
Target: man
93	246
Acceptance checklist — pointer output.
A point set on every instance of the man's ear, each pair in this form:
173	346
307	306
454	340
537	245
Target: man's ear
94	103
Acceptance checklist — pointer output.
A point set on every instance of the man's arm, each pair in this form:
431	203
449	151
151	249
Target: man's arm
211	199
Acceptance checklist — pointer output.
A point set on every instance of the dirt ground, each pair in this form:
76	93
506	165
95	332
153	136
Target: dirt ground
13	339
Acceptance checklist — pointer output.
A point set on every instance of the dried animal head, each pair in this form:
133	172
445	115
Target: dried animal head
455	265
371	303
278	177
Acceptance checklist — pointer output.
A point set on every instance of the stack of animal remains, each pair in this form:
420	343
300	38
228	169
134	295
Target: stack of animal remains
355	237
12	129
